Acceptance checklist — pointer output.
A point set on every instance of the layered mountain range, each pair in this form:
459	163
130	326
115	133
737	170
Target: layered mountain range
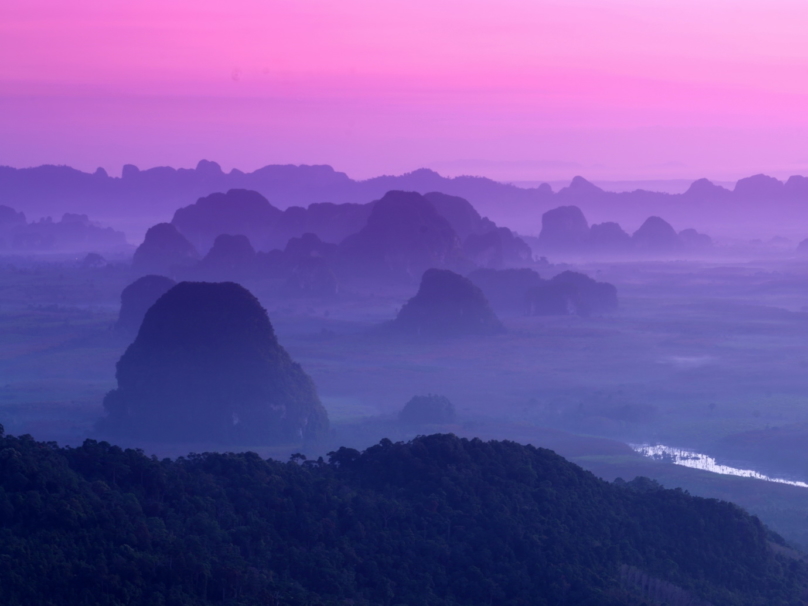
140	198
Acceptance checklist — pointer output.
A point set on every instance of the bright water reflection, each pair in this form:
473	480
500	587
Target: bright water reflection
688	458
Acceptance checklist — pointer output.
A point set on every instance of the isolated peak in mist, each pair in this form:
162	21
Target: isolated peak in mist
404	235
206	366
163	251
447	304
656	235
563	228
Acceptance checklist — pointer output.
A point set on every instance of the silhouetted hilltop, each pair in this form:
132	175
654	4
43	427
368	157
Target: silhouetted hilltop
232	257
447	304
137	298
239	211
460	214
438	520
565	232
206	366
164	250
656	236
404	236
497	248
506	289
608	238
572	292
53	190
705	190
802	247
427	410
760	187
331	223
563	229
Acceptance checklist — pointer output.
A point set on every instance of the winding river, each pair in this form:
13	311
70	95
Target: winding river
688	458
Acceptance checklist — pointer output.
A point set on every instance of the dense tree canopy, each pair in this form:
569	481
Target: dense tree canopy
439	520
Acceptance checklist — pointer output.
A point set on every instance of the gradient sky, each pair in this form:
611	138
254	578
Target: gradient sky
513	89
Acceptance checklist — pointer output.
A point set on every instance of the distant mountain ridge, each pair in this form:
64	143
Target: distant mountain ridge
157	192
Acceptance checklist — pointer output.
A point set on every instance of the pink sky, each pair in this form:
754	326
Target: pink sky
514	89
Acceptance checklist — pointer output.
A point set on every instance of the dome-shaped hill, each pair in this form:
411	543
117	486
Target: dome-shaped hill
163	251
609	237
239	211
563	229
206	366
404	236
657	236
137	298
447	304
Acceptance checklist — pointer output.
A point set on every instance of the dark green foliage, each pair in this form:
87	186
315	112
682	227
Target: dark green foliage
427	409
207	366
447	304
439	520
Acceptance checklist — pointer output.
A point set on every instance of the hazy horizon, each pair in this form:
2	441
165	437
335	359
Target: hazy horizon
612	90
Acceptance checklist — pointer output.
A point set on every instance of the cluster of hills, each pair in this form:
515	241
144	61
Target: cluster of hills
71	233
156	192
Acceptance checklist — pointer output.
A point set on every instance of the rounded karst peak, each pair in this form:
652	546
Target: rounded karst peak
206	366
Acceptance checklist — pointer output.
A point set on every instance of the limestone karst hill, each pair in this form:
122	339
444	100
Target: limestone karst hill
447	304
206	366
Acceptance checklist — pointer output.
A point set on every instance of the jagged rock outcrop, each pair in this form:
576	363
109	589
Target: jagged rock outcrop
137	298
572	293
430	409
206	366
404	236
656	236
506	289
563	229
447	304
164	251
239	211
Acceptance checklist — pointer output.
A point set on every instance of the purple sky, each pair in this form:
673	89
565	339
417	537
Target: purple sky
513	89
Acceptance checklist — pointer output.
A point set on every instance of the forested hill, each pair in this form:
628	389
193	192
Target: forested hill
439	521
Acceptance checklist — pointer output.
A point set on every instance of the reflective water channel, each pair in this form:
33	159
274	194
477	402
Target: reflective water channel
688	458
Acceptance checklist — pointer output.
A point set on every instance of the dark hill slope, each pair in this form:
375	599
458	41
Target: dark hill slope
206	366
446	305
439	520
